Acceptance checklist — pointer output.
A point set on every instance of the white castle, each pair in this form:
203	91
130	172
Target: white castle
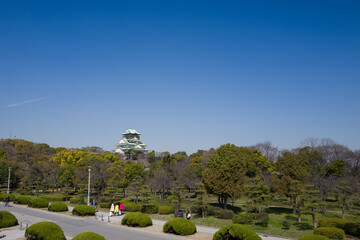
130	140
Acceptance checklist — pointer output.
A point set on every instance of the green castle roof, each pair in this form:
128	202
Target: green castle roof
131	131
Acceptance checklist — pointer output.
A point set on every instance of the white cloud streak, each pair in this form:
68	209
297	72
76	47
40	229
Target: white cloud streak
26	102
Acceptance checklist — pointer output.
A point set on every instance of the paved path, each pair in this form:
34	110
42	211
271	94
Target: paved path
99	224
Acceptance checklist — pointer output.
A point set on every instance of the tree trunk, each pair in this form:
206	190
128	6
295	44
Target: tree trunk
162	196
225	202
219	200
299	216
314	220
189	199
343	211
294	205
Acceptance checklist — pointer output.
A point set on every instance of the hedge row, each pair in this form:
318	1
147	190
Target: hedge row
163	210
217	212
313	237
236	231
3	197
350	227
252	218
58	207
7	219
330	232
76	200
22	200
55	197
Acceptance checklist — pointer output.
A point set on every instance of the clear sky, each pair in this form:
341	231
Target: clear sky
188	75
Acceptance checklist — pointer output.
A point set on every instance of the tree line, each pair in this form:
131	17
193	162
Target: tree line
307	176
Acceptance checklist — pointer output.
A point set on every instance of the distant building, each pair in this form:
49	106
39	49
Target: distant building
130	140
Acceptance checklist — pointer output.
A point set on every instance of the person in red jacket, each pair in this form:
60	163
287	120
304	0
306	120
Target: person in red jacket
121	208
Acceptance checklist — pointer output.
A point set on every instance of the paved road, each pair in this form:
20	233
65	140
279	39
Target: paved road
73	226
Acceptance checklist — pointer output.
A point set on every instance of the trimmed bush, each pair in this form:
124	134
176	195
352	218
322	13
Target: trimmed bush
132	207
286	225
38	203
83	210
166	210
44	231
248	218
234	232
350	227
88	236
136	219
22	200
224	214
57	198
58	207
179	226
330	232
149	208
105	205
75	200
3	197
313	237
261	219
7	219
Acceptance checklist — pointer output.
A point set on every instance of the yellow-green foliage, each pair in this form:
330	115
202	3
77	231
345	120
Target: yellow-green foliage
88	236
179	226
39	203
350	227
44	231
22	200
330	232
7	219
136	219
83	210
166	210
234	232
58	207
313	237
55	197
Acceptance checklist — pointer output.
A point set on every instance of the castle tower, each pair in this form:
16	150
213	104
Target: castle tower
130	140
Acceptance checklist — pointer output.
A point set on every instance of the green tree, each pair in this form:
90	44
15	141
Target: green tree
257	192
225	172
132	171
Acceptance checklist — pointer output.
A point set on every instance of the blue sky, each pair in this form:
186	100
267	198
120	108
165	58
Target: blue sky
188	75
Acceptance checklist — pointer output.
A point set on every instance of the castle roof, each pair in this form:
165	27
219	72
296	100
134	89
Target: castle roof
131	131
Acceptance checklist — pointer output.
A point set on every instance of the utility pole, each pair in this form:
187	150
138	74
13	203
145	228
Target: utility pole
88	201
9	181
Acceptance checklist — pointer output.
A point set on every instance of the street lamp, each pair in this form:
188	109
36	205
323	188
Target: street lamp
9	181
89	186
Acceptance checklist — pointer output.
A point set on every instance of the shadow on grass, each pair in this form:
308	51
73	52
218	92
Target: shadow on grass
235	209
279	210
303	226
290	217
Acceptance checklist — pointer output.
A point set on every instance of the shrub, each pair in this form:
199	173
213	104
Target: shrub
243	218
261	219
7	219
149	208
166	210
132	207
350	227
45	231
330	232
55	197
38	203
235	231
179	226
58	207
75	200
224	214
105	205
83	210
3	197
22	200
286	225
88	236
313	237
136	219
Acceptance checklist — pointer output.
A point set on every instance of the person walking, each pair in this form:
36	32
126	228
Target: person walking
181	214
112	208
116	211
188	215
121	208
7	200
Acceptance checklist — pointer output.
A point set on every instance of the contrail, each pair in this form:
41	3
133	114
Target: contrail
26	102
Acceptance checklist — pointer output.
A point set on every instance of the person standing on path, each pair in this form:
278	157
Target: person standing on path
188	215
112	208
121	208
7	200
116	211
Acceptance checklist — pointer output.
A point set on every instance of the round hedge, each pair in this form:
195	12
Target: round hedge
3	197
350	227
38	203
7	219
45	231
166	210
22	200
330	232
83	210
89	236
149	208
58	207
236	231
132	207
136	219
179	226
55	197
313	237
